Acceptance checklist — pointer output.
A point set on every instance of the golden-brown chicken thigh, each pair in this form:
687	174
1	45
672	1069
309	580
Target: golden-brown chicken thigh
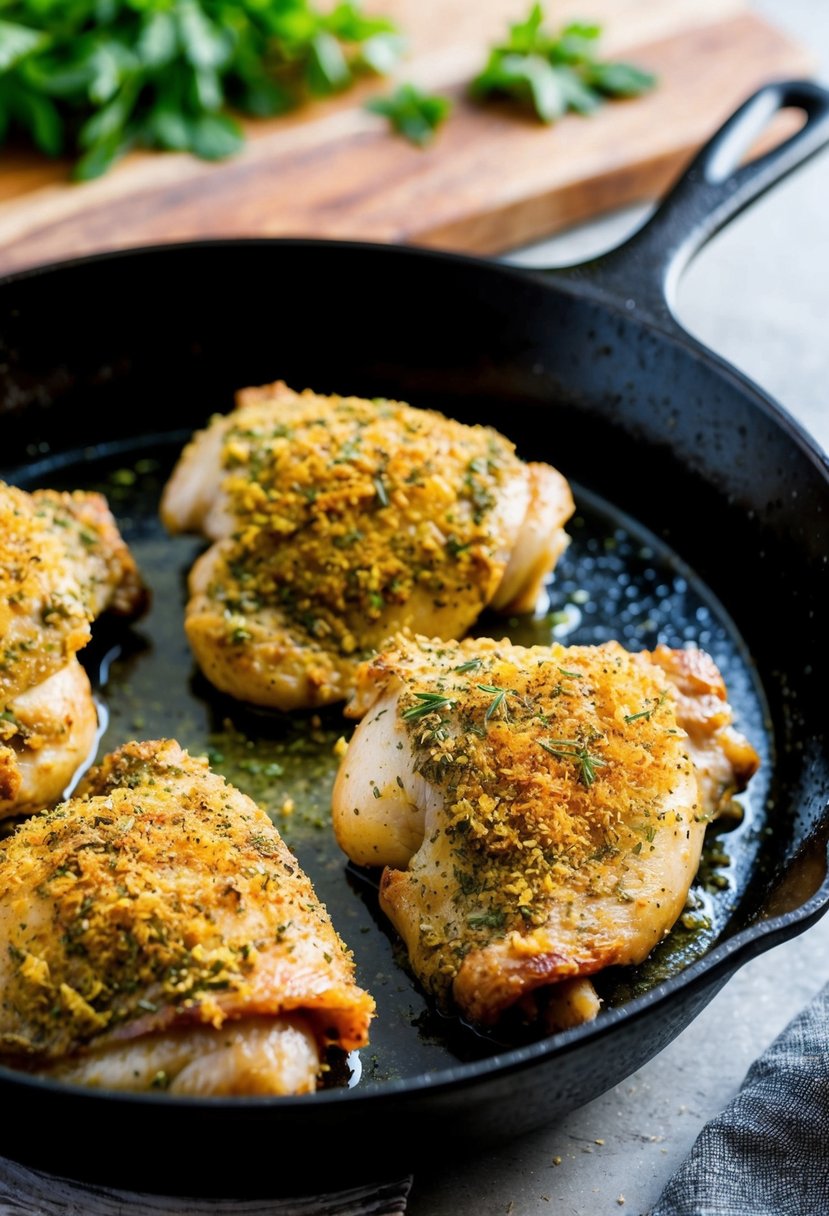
62	563
338	521
156	932
539	812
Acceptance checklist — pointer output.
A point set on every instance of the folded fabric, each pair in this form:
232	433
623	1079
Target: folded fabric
25	1192
767	1154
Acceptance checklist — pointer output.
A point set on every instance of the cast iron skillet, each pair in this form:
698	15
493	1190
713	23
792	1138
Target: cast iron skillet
702	516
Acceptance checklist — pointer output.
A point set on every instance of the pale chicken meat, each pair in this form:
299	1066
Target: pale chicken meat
157	933
338	521
48	734
63	562
538	813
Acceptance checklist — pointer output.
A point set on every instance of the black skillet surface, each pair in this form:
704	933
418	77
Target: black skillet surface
697	496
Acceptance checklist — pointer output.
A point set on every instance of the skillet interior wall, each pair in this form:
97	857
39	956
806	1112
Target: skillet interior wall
156	341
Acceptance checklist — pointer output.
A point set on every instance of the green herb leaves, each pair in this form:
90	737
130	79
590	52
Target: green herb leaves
553	73
16	42
495	918
428	703
412	113
469	665
497	701
571	749
381	490
95	79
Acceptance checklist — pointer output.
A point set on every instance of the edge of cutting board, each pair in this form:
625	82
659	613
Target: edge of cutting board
492	180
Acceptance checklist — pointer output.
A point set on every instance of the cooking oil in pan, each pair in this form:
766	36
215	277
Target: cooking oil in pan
614	581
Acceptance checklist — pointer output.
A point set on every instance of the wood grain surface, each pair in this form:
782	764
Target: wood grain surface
492	180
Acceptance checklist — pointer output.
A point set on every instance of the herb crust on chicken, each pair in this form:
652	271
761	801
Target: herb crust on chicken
538	812
62	563
156	932
337	521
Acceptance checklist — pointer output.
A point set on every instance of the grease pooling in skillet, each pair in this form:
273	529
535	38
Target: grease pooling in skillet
615	580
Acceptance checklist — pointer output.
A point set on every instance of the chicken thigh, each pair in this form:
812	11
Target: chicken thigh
538	812
156	932
338	521
62	563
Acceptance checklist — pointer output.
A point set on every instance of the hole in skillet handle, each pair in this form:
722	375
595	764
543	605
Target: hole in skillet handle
724	177
781	126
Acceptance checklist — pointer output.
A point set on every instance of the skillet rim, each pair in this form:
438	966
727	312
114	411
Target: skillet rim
718	963
560	278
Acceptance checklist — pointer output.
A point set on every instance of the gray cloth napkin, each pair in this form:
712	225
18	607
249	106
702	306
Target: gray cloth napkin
767	1154
25	1192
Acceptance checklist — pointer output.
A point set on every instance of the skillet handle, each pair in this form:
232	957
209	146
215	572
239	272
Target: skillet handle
643	273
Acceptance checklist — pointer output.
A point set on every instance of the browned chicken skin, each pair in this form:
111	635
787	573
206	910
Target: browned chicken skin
156	932
538	812
338	521
62	563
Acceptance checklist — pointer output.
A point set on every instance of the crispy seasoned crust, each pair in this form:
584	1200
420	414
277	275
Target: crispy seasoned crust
413	496
563	794
160	897
338	521
62	563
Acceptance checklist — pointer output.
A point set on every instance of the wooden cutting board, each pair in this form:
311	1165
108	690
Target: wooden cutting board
492	180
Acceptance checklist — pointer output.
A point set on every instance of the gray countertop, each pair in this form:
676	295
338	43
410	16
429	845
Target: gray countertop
759	296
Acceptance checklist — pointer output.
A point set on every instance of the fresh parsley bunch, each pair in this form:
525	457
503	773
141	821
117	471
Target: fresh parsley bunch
95	78
555	72
412	113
